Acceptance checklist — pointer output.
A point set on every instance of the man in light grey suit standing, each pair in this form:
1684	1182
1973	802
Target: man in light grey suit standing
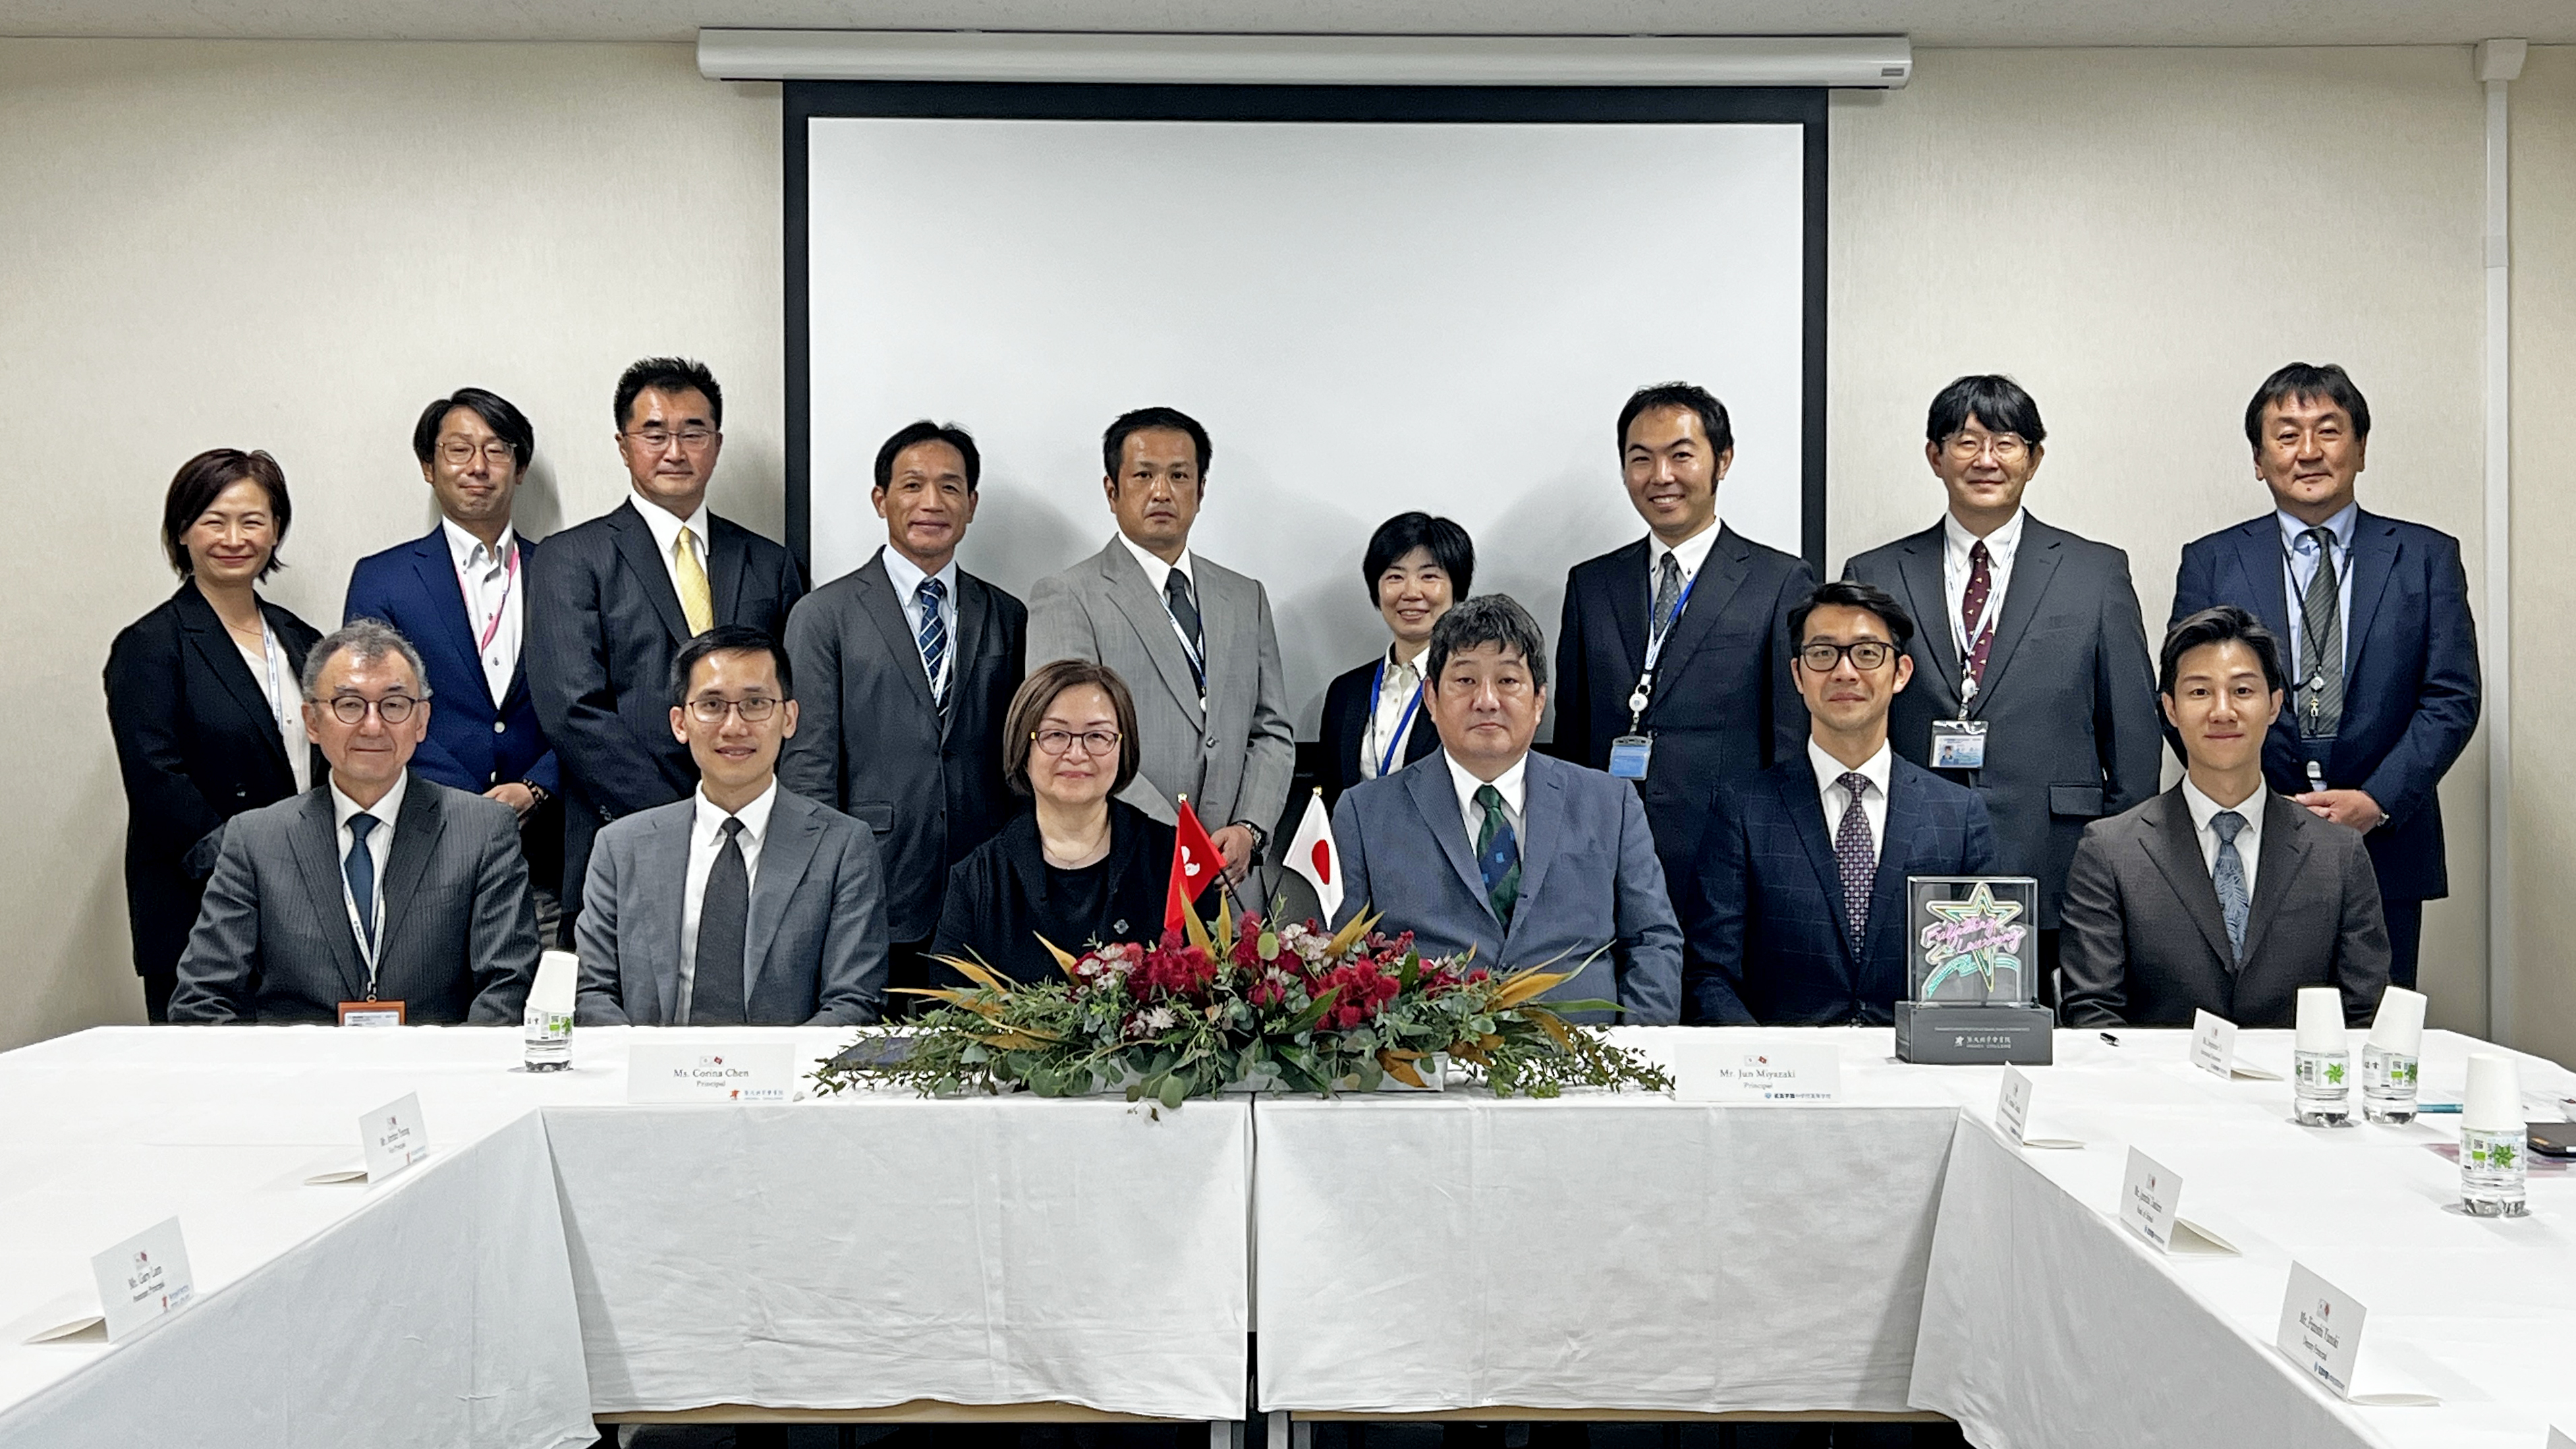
1194	641
1527	859
376	894
745	904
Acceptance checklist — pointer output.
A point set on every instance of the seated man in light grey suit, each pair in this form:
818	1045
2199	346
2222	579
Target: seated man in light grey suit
745	904
1193	640
1527	859
2219	894
376	885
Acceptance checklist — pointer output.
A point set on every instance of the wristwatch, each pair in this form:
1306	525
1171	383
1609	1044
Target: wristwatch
538	795
1260	838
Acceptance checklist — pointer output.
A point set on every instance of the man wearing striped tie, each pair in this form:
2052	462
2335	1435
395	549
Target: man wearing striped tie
612	601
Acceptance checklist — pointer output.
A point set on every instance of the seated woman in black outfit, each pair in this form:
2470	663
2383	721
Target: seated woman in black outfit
1415	568
1080	867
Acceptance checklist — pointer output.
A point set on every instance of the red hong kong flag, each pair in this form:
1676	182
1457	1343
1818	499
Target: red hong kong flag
1195	865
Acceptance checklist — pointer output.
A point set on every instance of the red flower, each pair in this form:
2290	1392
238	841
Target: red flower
1173	970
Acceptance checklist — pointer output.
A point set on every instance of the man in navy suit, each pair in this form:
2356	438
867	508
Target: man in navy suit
459	595
2383	655
1795	911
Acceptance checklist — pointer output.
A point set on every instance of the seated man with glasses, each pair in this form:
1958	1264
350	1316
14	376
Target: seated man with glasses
1795	910
744	904
377	896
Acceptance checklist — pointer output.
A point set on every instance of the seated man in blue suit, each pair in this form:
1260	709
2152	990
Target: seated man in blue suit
1795	912
457	595
744	904
1529	860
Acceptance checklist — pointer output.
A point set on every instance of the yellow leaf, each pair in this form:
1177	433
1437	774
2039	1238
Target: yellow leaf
1063	957
977	972
1529	986
1196	929
1552	1024
1351	934
1399	1068
1224	930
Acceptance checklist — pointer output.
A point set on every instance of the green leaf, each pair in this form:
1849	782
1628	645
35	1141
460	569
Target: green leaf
1410	972
1175	1091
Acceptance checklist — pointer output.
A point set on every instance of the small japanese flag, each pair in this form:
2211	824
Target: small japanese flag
1312	855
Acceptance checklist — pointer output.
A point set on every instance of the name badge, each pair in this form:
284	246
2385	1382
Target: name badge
710	1072
1630	754
143	1280
1958	744
371	1013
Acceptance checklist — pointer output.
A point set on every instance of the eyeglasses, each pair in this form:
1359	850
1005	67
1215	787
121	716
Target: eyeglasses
458	452
753	710
2007	447
1866	655
1056	742
393	709
657	439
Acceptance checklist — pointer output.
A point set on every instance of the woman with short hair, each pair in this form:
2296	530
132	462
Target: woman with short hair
1415	568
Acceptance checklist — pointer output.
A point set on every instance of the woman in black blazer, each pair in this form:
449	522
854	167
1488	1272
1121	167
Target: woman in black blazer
201	734
1415	568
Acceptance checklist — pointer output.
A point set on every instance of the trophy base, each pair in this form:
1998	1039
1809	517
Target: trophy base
1990	1034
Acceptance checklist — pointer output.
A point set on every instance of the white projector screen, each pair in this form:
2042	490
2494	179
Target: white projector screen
1368	317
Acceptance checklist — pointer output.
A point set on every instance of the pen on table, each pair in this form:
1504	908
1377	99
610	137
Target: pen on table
2113	1040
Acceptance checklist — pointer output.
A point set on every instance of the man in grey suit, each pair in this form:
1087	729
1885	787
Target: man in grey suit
1527	859
375	895
909	665
2218	894
745	904
1216	729
2032	683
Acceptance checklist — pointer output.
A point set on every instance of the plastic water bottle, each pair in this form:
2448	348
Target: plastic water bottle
548	1026
2493	1139
2388	1059
2322	1079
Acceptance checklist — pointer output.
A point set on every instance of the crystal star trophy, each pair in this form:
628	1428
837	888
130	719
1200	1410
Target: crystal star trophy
1972	958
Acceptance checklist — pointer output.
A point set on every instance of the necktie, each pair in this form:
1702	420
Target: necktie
1972	611
2229	877
1854	856
360	867
1185	612
1498	856
1668	591
724	916
934	639
697	602
2321	638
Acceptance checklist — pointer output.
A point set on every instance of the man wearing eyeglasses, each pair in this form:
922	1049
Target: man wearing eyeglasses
460	595
2035	689
745	904
378	897
614	599
1795	910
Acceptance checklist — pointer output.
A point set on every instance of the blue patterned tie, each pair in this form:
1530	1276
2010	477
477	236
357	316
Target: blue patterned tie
360	867
1855	856
2229	877
1498	856
934	639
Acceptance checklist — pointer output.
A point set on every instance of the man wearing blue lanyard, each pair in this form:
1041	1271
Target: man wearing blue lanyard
1673	659
2382	651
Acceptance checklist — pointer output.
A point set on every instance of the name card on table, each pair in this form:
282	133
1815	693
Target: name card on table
662	1073
2213	1049
1716	1071
2012	1113
393	1136
2320	1331
2151	1204
143	1280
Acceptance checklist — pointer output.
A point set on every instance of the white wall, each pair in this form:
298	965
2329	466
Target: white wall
294	246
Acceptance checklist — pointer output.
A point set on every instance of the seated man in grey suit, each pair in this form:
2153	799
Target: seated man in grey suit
744	904
2219	894
1528	859
376	885
1193	641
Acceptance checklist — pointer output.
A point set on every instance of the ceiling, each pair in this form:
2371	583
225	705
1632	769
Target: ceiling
1929	22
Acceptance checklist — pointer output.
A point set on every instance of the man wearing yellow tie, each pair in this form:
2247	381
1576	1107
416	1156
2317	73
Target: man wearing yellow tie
611	601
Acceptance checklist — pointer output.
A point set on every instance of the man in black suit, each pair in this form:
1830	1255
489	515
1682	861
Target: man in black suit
907	666
2375	615
1673	661
611	602
2032	683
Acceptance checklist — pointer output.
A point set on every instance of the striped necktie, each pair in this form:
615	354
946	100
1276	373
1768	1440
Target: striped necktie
934	640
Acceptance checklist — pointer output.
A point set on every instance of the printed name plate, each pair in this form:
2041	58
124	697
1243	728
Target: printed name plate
143	1280
2012	1113
2151	1205
1720	1071
2213	1049
2320	1331
393	1137
710	1071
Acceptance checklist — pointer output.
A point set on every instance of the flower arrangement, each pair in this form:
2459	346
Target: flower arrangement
1251	1004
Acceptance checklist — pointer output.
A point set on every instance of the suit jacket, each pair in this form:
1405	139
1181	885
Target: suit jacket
473	744
1723	704
1348	702
2069	692
2145	943
2410	672
273	943
604	624
1769	939
196	745
870	743
1592	893
814	952
1235	755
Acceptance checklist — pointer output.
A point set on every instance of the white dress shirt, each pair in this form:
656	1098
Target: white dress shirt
1873	795
285	695
1389	727
380	848
2299	568
665	526
1513	784
488	578
1956	542
1159	574
2249	841
906	576
706	840
1688	555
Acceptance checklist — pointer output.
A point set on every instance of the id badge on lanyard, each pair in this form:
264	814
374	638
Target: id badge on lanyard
1633	753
